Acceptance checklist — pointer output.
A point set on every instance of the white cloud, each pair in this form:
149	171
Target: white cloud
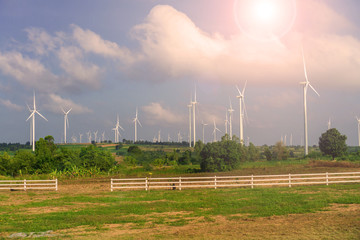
54	103
157	114
73	63
93	43
8	104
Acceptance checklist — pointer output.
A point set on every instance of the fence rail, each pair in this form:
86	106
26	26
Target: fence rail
235	181
29	184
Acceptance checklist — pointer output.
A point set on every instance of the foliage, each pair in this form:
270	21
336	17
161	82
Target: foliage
221	156
253	153
280	151
267	153
333	143
134	150
95	157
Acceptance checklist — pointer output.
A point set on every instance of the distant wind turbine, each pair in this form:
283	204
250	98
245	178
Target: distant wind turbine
32	115
214	132
358	129
226	122
116	130
231	110
329	124
89	136
194	119
136	121
66	121
95	135
190	106
203	126
179	137
80	136
241	103
306	85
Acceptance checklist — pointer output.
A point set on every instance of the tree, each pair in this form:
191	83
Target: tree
267	153
280	151
333	143
253	153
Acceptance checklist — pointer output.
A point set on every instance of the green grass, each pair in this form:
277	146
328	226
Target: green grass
154	207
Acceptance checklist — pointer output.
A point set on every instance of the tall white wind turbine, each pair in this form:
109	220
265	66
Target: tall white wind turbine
95	136
194	119
226	122
329	124
203	127
190	137
116	130
214	132
306	85
32	115
241	105
136	121
30	125
358	129
230	110
80	136
66	122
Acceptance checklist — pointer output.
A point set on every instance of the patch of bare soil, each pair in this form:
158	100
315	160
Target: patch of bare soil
339	222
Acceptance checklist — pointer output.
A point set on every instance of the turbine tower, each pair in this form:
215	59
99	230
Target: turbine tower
95	136
190	106
215	129
32	115
203	126
80	136
329	124
306	85
194	119
226	122
358	129
116	129
136	121
241	103
66	122
230	110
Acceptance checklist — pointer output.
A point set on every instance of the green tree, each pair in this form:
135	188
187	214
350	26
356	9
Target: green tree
134	150
221	156
267	153
333	143
23	161
280	152
92	156
5	164
45	150
253	153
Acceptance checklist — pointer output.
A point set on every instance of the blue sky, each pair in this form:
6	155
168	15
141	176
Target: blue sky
104	58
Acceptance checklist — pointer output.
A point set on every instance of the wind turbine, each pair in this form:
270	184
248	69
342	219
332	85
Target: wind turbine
190	106
159	136
136	121
179	137
66	122
231	110
194	119
116	129
306	85
32	115
329	124
89	136
358	129
203	125
241	102
215	129
226	122
95	135
30	125
80	136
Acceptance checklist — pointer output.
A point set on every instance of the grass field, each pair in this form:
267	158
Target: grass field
86	209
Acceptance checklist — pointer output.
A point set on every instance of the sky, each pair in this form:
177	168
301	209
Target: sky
109	58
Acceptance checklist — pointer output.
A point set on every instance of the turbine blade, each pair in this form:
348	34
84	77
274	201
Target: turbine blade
32	114
68	111
306	77
139	122
314	90
243	91
67	121
62	109
41	115
245	112
238	90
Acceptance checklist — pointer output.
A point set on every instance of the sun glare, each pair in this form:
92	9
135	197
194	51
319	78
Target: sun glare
265	20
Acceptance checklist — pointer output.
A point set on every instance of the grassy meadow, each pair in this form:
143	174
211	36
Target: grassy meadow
93	212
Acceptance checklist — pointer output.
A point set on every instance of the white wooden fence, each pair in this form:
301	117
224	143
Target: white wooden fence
235	181
29	184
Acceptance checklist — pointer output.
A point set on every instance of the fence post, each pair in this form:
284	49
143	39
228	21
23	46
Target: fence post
146	184
24	184
215	181
327	179
180	183
56	185
289	180
111	184
252	181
